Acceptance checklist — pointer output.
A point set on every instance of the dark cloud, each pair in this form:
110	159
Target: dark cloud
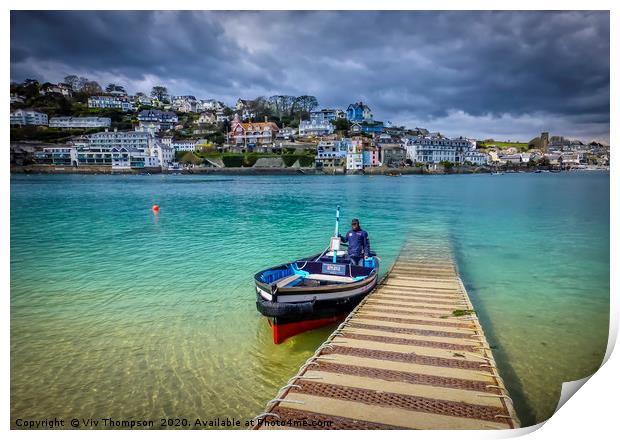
467	72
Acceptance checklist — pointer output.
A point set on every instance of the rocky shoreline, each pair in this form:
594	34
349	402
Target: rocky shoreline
47	169
258	171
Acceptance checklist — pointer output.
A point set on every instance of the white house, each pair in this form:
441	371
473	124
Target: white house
287	133
435	149
211	105
15	98
79	122
185	103
110	102
58	155
148	127
96	154
143	100
221	117
355	155
183	145
121	157
207	118
164	153
355	161
315	127
116	138
28	117
60	88
155	120
118	157
476	157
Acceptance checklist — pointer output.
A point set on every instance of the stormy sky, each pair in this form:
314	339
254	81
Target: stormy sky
504	75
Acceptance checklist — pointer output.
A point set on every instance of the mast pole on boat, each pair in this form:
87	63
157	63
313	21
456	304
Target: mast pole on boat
336	233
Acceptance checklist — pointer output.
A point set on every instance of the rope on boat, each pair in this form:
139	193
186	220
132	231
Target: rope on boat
319	257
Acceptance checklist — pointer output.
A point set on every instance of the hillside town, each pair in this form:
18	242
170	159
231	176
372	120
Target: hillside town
77	125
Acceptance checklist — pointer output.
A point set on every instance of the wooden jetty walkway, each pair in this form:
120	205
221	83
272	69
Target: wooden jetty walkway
412	355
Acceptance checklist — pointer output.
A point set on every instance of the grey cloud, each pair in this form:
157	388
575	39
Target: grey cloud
426	65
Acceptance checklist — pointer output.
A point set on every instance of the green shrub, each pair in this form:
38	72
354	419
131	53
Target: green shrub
304	160
188	157
233	160
249	159
289	159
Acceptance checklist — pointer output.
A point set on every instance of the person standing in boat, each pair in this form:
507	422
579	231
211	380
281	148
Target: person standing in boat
359	243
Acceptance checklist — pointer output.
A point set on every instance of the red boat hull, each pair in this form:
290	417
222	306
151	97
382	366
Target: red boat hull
281	332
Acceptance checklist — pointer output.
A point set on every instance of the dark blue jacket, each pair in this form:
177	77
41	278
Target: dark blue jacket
359	244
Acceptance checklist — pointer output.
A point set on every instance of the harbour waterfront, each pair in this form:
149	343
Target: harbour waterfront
116	311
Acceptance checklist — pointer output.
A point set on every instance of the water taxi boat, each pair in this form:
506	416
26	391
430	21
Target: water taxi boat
312	292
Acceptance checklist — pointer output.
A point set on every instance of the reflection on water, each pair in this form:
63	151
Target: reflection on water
117	311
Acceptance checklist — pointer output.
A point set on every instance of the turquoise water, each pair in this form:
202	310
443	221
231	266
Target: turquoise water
116	312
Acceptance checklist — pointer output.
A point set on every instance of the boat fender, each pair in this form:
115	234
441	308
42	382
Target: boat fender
277	310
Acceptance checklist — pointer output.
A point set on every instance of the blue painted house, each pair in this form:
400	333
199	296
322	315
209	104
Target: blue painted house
359	112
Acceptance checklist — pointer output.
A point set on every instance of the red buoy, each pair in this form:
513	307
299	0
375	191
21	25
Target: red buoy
155	209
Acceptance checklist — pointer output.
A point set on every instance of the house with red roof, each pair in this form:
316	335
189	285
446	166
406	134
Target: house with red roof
257	133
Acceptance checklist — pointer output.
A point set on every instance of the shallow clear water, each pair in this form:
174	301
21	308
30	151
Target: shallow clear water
116	312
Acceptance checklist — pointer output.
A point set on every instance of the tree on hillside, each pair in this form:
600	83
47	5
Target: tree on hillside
77	83
287	102
159	92
216	138
46	85
305	103
114	88
261	107
81	83
53	104
274	103
91	88
341	124
281	105
73	81
29	88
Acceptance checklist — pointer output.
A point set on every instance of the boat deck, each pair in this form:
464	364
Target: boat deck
412	355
